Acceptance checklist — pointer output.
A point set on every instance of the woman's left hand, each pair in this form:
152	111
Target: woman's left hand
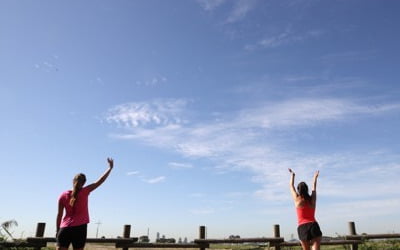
316	174
110	162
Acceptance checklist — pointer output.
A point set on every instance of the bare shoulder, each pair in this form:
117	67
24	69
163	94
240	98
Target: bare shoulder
299	202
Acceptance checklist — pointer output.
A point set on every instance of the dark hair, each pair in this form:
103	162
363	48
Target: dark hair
302	189
79	181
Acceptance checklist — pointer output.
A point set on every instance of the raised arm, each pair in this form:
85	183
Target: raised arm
291	185
314	189
100	181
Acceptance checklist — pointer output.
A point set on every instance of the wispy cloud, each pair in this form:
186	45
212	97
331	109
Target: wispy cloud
210	5
308	112
247	141
177	165
240	9
365	209
348	56
133	173
156	113
159	124
155	180
285	38
153	81
143	178
49	65
300	78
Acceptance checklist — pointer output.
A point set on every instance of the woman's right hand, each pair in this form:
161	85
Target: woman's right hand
291	171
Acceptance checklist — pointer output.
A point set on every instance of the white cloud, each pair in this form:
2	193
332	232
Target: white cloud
246	142
308	112
218	138
300	78
156	113
240	9
47	66
275	41
210	5
342	176
133	173
348	56
156	80
365	209
177	165
298	112
155	180
284	38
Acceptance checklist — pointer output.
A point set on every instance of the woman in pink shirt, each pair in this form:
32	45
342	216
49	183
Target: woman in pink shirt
308	229
73	227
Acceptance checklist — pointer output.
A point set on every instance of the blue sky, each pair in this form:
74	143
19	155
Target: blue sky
204	105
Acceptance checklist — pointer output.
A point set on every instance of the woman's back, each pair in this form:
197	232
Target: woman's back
78	214
308	228
305	213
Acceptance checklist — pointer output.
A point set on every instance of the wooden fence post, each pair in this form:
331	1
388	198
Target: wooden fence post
352	231
127	234
202	234
277	234
40	231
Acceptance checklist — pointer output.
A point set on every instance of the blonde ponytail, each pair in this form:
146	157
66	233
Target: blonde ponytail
78	182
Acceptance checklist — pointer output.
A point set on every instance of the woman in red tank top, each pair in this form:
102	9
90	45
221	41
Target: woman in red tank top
308	229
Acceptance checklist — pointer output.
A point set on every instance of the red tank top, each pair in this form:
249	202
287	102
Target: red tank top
305	214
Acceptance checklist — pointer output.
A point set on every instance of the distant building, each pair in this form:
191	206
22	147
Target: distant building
166	240
234	237
144	239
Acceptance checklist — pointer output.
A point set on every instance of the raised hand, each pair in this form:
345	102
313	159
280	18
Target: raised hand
110	162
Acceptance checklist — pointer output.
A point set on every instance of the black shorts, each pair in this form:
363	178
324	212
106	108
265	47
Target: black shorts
309	231
75	235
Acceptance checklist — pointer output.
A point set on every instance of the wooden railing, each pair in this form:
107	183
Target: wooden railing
353	236
201	243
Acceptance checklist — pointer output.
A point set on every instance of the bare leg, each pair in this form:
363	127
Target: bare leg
316	243
305	245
